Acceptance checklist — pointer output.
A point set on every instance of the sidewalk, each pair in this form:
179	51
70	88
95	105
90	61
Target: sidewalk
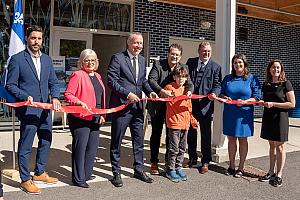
213	185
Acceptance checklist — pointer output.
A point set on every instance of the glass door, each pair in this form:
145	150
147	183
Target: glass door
66	49
67	44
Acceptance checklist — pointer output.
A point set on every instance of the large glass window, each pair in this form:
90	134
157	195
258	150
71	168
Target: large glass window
92	14
36	12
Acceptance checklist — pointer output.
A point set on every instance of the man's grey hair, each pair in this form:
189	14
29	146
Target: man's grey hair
132	35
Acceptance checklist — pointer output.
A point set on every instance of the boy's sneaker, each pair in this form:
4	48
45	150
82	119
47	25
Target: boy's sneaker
277	182
267	177
172	176
181	174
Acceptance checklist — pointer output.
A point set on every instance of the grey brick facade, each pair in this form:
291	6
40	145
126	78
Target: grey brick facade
265	42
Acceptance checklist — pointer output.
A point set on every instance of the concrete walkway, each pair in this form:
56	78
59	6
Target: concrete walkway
213	185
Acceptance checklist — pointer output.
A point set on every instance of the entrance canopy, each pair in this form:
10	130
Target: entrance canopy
286	11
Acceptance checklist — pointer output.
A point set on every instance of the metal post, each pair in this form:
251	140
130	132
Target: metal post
14	137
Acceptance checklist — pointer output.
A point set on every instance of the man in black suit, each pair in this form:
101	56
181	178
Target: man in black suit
206	76
127	80
160	76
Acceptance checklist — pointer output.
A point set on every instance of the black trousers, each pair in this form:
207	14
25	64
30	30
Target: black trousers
157	122
85	142
132	117
1	186
205	129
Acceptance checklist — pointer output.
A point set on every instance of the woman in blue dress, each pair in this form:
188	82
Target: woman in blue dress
238	119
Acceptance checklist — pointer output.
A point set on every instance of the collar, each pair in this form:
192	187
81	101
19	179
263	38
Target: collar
131	56
32	55
205	63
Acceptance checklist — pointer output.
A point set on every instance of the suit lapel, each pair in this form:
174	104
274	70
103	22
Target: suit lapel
207	66
194	68
43	61
128	61
30	63
140	72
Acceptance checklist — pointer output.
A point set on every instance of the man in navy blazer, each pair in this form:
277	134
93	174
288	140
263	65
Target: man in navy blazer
127	80
206	77
31	77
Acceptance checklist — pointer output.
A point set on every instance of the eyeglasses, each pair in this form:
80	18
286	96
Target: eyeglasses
89	61
181	76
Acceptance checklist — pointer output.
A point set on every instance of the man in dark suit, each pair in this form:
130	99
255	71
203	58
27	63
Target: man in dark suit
127	80
160	76
206	76
30	78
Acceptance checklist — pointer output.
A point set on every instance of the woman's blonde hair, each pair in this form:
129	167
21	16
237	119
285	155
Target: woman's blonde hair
86	53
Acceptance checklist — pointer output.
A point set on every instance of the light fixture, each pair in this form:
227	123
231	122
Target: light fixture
205	24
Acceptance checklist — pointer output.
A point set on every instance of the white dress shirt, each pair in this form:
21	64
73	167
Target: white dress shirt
37	62
137	64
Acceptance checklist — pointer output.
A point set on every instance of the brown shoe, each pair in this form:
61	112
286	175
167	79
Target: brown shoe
29	187
44	178
154	169
191	163
203	169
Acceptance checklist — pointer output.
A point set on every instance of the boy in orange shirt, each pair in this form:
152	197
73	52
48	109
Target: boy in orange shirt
179	118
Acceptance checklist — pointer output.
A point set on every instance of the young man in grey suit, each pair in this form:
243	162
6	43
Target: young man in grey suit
127	80
206	77
31	77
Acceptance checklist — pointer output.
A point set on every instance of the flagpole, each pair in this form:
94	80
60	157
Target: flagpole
16	45
14	137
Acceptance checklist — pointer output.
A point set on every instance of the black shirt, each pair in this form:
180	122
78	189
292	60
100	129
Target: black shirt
98	94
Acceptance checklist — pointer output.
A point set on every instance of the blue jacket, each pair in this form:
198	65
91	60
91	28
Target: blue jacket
121	80
210	83
22	80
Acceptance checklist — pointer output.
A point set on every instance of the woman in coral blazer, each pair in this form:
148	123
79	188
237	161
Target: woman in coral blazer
86	89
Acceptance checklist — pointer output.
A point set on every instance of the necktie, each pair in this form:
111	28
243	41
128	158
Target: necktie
134	66
200	66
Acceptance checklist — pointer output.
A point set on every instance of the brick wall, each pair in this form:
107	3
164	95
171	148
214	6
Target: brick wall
264	42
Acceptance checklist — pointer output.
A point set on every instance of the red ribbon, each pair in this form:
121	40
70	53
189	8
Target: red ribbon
93	111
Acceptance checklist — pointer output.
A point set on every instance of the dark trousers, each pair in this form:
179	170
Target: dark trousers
131	117
205	131
1	186
157	123
30	125
1	190
85	142
177	147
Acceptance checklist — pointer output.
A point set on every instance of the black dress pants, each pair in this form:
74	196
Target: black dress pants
157	122
85	142
205	131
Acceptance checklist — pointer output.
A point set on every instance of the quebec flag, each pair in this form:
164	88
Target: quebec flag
17	39
16	45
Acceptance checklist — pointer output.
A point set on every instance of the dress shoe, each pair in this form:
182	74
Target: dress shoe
83	185
142	176
154	169
44	178
29	187
91	178
117	180
203	169
191	163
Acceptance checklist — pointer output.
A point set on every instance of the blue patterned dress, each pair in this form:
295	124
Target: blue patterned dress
238	120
